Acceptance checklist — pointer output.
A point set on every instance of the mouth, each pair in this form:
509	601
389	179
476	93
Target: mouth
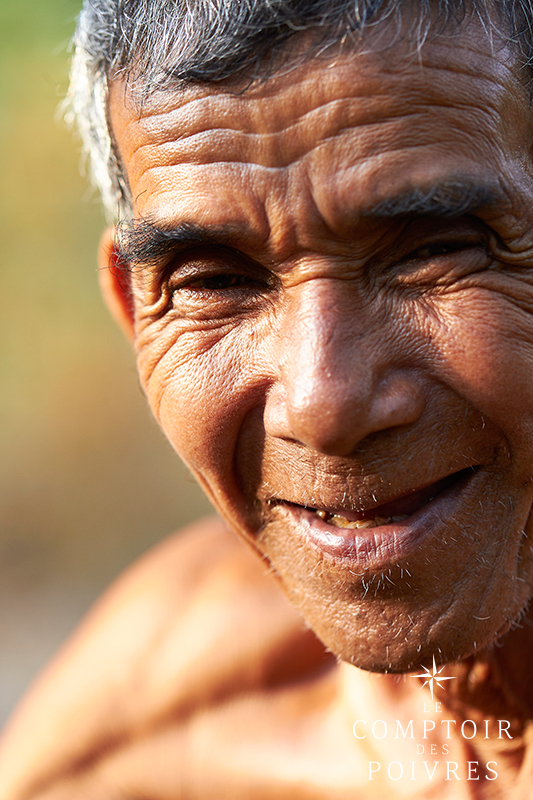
386	529
395	510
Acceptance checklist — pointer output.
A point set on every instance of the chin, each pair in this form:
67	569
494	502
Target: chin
420	583
388	639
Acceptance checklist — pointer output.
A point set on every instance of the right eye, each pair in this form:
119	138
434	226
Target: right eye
217	282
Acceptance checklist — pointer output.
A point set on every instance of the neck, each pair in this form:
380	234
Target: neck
496	682
482	716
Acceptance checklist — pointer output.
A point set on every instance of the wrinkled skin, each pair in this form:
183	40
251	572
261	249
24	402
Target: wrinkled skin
341	324
321	353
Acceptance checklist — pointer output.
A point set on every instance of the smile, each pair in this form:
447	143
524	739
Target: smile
342	522
393	527
395	510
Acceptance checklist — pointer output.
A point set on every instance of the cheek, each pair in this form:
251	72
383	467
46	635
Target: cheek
199	388
484	349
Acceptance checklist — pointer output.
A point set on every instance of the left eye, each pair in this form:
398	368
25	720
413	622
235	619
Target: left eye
443	249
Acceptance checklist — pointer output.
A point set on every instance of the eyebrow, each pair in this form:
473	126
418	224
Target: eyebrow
447	199
143	242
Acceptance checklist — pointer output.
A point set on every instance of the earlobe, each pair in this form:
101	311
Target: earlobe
115	284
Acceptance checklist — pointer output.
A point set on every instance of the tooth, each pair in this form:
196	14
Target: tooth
340	522
366	523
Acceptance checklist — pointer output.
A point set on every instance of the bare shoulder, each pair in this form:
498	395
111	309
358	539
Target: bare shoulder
195	620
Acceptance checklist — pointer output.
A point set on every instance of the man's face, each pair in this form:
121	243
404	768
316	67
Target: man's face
335	332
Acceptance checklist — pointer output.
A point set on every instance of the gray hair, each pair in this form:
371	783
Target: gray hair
160	44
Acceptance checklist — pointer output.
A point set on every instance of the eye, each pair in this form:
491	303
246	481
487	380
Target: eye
213	283
444	248
218	282
215	270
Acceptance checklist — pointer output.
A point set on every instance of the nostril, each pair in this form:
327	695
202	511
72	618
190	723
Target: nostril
400	401
333	417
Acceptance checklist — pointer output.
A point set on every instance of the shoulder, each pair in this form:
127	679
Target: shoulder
192	622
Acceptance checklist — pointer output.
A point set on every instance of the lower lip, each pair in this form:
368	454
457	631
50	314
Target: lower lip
380	547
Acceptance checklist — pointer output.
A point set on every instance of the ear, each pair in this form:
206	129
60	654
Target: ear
115	284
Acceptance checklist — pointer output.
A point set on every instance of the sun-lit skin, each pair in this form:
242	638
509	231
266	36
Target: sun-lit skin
323	354
332	280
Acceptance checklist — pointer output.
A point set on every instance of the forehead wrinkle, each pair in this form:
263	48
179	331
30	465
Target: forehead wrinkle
233	155
275	151
182	115
359	100
331	121
292	141
492	54
330	115
205	143
370	70
371	75
174	124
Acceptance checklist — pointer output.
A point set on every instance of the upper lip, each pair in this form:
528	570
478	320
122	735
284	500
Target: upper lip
403	501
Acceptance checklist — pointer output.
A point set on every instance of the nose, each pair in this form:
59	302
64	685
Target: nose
341	375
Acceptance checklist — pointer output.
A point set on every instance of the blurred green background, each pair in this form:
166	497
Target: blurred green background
87	482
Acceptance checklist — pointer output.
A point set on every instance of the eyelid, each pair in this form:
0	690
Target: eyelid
217	276
208	261
456	243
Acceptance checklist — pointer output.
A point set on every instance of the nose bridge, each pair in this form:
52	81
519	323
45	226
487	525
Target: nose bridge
324	341
337	372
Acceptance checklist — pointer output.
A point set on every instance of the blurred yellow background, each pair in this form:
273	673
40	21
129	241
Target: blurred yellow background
87	482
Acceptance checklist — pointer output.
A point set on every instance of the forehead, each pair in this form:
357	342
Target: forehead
316	148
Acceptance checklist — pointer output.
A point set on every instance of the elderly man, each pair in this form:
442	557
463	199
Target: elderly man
324	261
